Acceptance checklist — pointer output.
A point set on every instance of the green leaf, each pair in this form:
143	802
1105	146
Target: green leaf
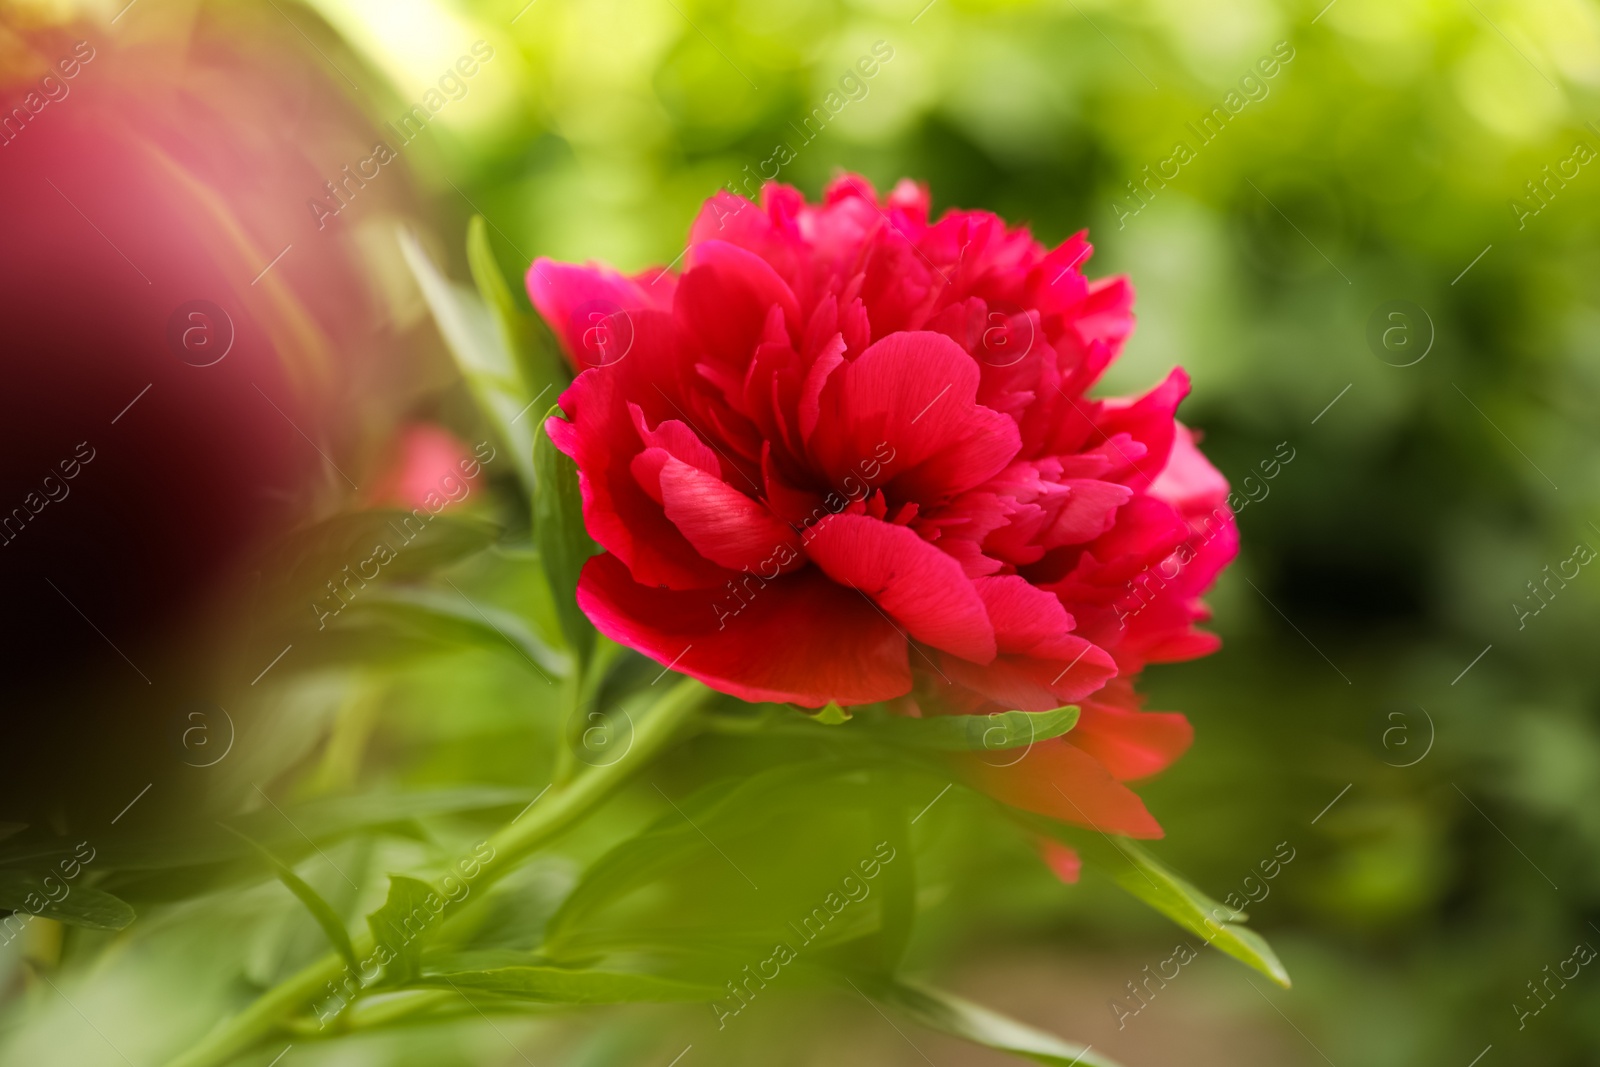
483	354
714	883
952	1015
897	886
543	370
204	842
561	985
320	909
404	923
563	542
318	569
967	733
832	715
80	905
448	617
336	816
1138	872
517	575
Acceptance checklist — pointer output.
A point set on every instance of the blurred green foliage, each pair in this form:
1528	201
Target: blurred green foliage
1389	159
1430	750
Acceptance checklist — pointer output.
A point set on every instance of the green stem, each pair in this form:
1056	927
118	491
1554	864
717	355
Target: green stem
378	1012
566	762
600	660
554	813
579	690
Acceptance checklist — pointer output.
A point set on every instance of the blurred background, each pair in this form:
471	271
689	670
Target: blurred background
1366	228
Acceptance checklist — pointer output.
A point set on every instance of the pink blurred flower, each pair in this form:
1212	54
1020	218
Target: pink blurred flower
430	469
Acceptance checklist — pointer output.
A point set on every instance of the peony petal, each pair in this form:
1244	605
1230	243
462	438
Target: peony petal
801	638
800	507
1151	616
600	436
1057	282
1189	482
678	439
1036	682
1148	420
1064	862
1024	616
1090	510
911	198
725	297
1107	314
592	309
1131	744
829	358
1146	533
847	187
900	286
724	525
764	231
1058	780
917	393
911	580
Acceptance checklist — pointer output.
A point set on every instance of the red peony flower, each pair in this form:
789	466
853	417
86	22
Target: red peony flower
847	456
